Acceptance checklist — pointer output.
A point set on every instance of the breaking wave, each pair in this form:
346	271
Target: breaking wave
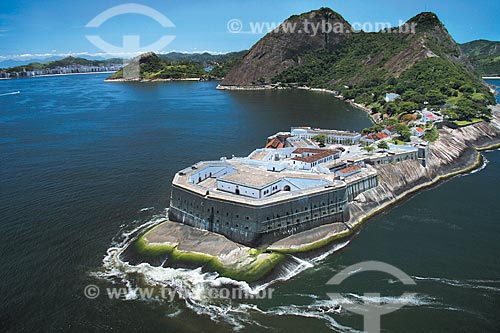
192	286
485	163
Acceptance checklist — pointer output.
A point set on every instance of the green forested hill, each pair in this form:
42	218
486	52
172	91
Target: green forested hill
428	69
484	56
182	65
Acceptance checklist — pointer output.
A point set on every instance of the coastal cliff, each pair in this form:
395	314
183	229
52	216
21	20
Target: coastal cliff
456	151
283	48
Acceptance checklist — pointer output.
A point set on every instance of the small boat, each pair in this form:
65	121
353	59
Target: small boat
11	93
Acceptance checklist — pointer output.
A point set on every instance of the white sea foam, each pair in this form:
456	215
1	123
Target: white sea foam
485	163
334	249
407	300
192	286
321	309
469	284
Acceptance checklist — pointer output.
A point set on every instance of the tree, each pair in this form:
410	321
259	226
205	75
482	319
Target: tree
408	107
369	149
320	138
391	108
413	96
435	97
405	135
383	145
431	135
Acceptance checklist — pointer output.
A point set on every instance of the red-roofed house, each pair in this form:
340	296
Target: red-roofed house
418	131
307	158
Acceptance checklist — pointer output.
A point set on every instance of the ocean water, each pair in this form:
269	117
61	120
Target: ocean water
85	165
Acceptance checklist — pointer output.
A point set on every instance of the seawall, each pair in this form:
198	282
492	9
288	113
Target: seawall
455	152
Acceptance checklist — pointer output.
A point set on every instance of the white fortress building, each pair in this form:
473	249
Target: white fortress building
287	187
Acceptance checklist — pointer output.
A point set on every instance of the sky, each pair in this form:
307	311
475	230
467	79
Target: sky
58	27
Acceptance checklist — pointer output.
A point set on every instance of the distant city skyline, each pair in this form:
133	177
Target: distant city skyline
58	28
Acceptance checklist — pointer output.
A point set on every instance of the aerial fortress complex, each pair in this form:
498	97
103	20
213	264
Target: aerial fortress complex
301	179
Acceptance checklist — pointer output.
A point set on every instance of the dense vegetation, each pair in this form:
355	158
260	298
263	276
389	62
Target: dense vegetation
484	56
182	65
206	59
425	68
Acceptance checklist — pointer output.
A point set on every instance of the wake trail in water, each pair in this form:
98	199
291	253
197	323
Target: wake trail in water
470	284
10	93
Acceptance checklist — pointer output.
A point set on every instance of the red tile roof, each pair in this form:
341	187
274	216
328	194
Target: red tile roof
430	116
350	168
318	154
382	135
274	143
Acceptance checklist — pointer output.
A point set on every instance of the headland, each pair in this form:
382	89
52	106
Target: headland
246	245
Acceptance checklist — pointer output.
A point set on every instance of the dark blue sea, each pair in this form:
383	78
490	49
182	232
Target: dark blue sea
84	163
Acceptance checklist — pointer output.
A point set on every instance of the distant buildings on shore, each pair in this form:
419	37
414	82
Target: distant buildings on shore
58	70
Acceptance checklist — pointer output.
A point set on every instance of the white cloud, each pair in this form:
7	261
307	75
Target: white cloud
27	56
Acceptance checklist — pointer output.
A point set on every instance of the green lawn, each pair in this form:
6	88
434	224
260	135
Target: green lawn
462	123
398	142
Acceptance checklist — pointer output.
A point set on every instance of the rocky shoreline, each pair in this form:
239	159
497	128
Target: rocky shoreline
375	118
455	152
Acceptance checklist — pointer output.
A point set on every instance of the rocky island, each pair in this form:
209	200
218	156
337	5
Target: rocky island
310	187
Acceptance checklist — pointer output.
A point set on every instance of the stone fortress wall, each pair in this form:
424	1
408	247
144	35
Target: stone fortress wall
258	225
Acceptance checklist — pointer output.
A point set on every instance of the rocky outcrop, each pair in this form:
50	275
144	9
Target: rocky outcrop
282	47
424	36
454	152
